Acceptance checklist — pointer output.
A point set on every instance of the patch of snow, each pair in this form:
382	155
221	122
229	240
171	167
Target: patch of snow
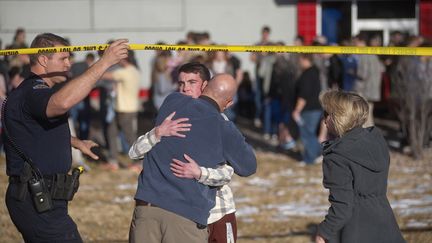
414	211
121	200
406	207
299	209
408	170
246	211
300	180
420	189
408	203
315	180
84	187
260	182
242	199
127	186
248	220
416	224
286	173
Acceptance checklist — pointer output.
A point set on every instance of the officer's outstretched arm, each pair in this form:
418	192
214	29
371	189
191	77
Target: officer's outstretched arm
78	88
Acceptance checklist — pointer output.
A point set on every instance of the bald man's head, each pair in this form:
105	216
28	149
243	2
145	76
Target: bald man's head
221	88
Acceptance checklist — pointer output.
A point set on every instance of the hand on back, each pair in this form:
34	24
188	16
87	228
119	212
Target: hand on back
171	127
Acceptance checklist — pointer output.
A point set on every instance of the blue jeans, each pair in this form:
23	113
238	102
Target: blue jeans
271	116
308	135
258	98
80	114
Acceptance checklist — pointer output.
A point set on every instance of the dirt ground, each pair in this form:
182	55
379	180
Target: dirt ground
282	202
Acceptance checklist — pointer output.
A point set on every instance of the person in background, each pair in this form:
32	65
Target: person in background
162	84
126	87
263	63
368	82
349	64
18	42
307	111
81	111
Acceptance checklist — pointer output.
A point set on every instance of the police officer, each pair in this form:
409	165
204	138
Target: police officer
36	121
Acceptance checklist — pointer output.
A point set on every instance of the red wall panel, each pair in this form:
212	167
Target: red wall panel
306	20
426	18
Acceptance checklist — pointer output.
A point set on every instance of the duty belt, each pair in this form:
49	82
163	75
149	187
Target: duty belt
17	179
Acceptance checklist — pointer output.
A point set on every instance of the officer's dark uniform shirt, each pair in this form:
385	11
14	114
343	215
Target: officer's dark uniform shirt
46	141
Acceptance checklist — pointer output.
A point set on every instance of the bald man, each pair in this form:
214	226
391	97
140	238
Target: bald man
173	209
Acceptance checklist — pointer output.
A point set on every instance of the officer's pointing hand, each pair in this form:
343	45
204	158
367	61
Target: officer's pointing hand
86	148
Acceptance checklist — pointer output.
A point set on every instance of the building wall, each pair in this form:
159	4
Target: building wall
149	21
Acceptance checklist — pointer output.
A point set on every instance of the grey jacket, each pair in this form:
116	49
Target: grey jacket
368	83
355	171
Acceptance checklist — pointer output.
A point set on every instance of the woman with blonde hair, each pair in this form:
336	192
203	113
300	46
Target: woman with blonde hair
162	82
355	167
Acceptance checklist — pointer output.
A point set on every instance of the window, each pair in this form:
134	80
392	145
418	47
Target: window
386	9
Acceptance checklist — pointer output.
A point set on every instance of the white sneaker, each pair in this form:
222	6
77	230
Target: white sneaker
302	163
289	145
319	160
274	140
257	122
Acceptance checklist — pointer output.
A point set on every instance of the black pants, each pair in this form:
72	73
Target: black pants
51	226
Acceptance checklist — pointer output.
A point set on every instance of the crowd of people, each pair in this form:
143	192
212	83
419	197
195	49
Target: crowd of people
281	96
285	98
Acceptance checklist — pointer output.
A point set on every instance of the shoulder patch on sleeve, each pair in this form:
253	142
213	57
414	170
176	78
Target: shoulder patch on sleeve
41	85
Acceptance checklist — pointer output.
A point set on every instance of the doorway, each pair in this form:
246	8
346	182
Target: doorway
336	21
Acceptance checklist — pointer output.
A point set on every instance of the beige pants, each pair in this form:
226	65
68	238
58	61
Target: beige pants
370	120
154	225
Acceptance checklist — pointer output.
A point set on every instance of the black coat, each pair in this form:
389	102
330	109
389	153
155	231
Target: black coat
355	171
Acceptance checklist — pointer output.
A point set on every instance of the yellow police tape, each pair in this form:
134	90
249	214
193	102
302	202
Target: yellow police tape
406	51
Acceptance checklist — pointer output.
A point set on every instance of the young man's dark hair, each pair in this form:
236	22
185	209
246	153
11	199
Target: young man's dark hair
195	67
46	40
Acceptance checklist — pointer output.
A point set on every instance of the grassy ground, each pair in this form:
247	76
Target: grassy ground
283	202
